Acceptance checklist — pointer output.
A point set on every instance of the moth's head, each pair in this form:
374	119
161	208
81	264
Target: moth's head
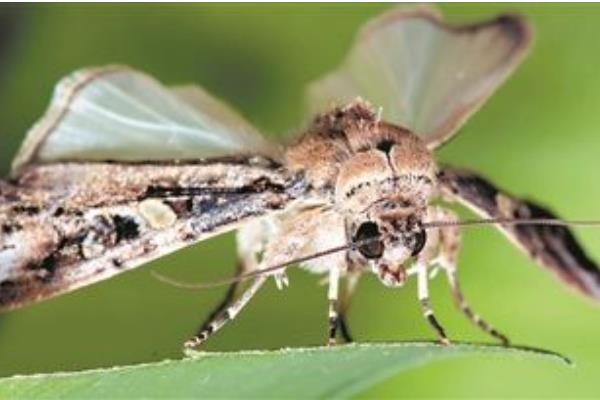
388	238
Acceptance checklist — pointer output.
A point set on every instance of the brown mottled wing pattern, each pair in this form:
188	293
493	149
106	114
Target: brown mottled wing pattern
67	225
554	247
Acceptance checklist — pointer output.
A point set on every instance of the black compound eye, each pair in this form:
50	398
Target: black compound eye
373	248
419	240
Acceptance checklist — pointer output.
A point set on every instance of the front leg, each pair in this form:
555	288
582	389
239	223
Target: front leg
424	260
332	295
316	231
352	279
423	290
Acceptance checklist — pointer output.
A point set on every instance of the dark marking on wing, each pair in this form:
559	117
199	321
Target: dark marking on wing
94	237
9	228
258	186
48	264
554	247
125	227
245	160
9	292
29	210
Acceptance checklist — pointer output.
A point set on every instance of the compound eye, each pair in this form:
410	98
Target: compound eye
373	248
419	242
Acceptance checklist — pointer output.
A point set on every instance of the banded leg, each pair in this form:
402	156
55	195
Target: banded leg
423	291
344	329
228	314
332	295
251	240
225	302
448	259
466	309
351	283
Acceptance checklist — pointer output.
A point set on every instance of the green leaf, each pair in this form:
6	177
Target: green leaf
292	373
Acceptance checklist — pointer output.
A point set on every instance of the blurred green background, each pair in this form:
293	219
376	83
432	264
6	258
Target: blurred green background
538	136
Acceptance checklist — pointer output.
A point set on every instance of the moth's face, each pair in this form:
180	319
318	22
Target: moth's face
385	189
395	237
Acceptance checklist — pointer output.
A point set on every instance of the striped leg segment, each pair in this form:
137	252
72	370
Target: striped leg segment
344	329
225	302
332	295
423	290
466	309
449	248
333	323
227	314
350	287
251	241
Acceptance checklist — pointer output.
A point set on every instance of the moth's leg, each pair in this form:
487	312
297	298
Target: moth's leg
423	292
425	259
225	302
310	232
468	311
346	298
251	241
449	248
228	314
302	234
332	295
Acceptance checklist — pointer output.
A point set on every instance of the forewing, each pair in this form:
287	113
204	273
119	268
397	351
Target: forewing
68	225
425	75
117	113
554	247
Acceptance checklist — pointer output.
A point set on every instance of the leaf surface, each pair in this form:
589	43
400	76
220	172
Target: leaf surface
288	373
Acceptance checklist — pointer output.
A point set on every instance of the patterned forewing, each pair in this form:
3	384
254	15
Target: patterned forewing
64	226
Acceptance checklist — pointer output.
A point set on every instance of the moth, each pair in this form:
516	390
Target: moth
121	170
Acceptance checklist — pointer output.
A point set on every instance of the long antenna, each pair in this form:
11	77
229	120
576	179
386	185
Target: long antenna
261	271
426	225
512	221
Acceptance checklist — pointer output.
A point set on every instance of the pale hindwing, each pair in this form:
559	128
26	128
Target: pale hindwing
426	76
117	113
